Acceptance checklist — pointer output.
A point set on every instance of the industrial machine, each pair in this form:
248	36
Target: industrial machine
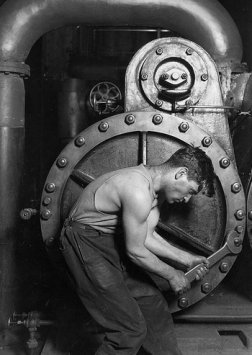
184	87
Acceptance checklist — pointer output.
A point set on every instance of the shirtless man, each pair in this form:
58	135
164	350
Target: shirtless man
110	246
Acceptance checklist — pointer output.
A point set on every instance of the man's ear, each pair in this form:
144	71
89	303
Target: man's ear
180	172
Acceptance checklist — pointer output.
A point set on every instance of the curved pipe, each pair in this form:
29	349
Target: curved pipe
205	22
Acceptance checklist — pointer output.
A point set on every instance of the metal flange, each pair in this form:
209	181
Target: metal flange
145	123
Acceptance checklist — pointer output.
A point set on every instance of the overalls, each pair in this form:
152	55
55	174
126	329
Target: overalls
117	294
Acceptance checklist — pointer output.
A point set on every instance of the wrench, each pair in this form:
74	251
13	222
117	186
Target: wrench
232	246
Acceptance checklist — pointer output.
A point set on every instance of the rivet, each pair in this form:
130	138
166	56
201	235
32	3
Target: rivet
159	51
157	119
183	127
236	187
224	162
239	229
250	215
144	76
47	200
159	103
206	287
204	77
224	267
237	242
183	302
103	126
79	141
189	51
129	119
50	187
189	103
207	141
61	162
46	214
239	214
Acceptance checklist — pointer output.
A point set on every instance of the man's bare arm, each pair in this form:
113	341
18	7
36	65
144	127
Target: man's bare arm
136	206
161	247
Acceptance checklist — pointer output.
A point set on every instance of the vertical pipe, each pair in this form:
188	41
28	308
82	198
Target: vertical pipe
11	161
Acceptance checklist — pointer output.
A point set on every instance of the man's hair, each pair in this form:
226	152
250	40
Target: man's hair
199	165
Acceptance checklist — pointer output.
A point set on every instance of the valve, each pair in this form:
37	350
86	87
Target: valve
27	213
31	321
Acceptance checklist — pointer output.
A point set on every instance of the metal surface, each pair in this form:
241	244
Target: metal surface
249	211
11	162
183	58
205	22
118	144
72	116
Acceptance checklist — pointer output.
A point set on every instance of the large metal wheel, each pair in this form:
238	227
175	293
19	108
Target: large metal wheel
129	139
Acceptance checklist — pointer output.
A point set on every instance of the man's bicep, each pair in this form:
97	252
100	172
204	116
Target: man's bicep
135	212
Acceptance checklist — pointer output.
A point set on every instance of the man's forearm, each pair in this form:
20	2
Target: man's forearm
150	262
159	246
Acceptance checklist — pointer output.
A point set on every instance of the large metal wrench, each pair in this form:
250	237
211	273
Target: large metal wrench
232	246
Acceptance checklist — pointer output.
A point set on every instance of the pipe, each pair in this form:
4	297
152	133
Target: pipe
23	22
205	22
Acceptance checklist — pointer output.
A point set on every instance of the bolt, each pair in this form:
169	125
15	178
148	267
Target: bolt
129	119
206	287
46	214
189	51
183	127
236	187
239	214
239	229
175	76
204	77
183	302
157	119
79	141
50	187
159	51
237	242
144	76
159	103
184	76
103	126
207	141
224	267
250	215
165	76
188	103
224	163
47	200
61	162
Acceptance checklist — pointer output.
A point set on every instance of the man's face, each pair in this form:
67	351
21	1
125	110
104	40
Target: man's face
181	189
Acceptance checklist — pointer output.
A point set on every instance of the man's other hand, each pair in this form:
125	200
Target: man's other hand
179	283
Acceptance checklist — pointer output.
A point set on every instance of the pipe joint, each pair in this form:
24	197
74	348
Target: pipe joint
22	69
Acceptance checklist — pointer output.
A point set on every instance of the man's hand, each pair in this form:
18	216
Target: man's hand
179	283
194	260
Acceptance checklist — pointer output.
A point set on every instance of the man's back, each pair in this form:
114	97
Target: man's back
100	203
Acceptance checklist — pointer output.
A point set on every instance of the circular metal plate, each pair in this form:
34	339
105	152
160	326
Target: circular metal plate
174	60
122	141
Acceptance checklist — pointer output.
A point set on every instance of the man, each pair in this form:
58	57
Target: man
110	246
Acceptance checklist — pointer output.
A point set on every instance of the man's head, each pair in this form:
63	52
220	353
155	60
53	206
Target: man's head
189	170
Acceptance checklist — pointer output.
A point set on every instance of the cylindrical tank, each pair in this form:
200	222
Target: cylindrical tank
72	117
